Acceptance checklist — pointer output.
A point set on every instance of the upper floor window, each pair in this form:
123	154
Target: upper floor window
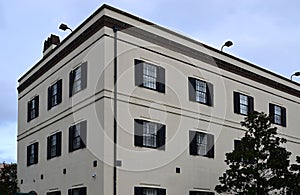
243	104
77	136
77	191
54	193
149	76
33	108
54	145
78	79
32	153
201	193
277	114
149	191
149	134
200	91
201	144
54	94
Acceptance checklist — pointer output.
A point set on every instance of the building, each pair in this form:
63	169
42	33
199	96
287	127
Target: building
174	112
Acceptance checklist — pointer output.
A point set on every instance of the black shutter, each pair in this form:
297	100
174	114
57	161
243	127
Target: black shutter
83	134
82	191
138	132
138	190
211	193
160	79
71	83
59	91
28	154
28	111
236	102
237	144
36	152
37	106
58	193
84	75
193	143
283	116
71	136
210	94
210	145
48	147
48	193
49	97
272	112
161	191
138	69
161	137
250	104
58	144
69	191
192	89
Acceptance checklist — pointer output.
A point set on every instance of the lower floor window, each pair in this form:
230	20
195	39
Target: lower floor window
32	154
149	191
149	134
77	136
54	193
201	193
77	191
201	144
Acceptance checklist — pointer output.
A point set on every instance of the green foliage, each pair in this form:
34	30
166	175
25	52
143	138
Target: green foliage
8	179
259	165
295	177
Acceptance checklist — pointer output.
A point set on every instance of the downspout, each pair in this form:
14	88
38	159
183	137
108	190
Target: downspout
115	29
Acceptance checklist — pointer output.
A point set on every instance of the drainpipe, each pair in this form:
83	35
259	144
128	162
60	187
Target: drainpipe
115	29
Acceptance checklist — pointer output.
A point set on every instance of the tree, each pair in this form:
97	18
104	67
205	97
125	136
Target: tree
259	165
8	179
294	182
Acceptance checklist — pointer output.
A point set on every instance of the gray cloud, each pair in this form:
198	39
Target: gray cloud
8	102
8	142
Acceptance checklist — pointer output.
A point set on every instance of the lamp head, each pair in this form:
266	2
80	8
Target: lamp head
297	74
228	43
63	27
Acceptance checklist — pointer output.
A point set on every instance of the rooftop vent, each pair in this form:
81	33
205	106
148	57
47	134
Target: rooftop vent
50	43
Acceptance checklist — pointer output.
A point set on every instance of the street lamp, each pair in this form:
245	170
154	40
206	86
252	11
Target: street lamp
295	74
64	27
227	44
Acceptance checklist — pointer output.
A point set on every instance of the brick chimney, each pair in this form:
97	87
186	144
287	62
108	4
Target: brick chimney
50	44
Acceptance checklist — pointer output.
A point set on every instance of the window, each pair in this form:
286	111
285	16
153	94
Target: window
77	136
149	76
277	114
33	108
243	104
32	153
54	145
201	193
201	144
54	94
200	91
54	193
77	191
78	79
149	134
149	191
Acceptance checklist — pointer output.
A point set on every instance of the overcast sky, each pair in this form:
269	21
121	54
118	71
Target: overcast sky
266	33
